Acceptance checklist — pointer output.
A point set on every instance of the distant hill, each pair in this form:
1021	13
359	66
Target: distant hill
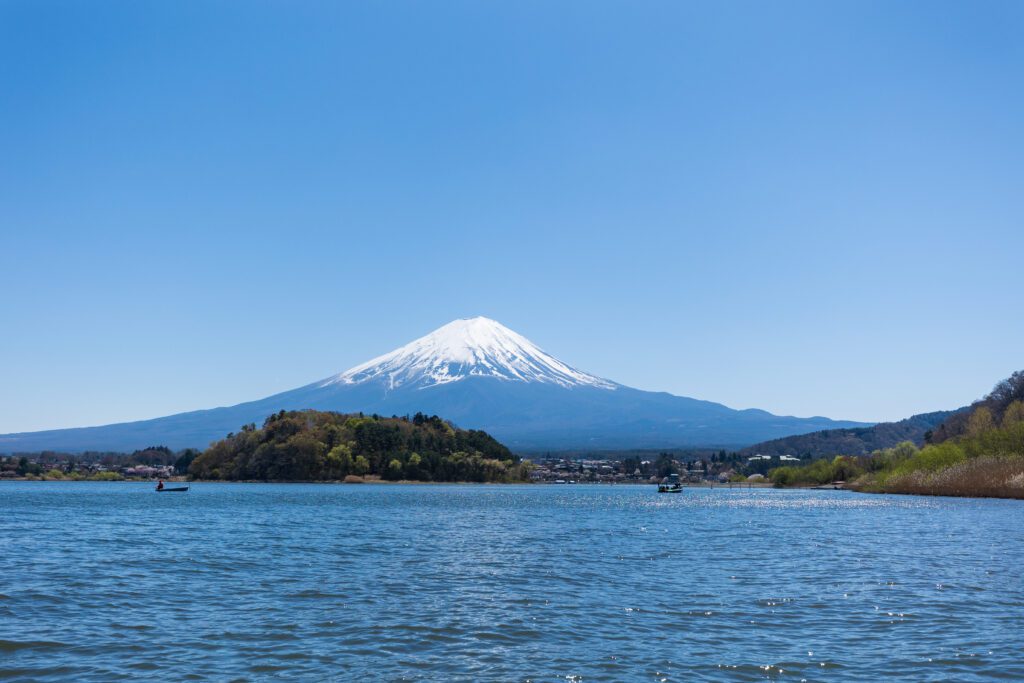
855	441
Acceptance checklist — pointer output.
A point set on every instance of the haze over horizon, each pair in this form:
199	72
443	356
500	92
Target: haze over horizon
811	212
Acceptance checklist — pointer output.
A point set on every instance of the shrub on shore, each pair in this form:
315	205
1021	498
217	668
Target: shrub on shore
987	476
107	476
817	472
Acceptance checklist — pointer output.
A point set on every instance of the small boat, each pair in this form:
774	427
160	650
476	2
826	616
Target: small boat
674	488
171	489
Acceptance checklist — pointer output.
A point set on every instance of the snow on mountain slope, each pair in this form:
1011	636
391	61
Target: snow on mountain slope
473	347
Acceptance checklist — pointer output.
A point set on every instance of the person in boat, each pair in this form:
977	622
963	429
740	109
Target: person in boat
160	485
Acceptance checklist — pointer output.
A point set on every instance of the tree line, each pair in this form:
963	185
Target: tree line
38	463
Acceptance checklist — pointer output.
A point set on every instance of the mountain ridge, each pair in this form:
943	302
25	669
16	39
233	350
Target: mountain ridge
857	440
480	375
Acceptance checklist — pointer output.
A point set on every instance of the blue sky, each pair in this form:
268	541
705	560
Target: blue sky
812	208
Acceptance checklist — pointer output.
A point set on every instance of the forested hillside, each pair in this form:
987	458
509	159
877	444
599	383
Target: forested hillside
976	452
311	445
856	441
988	411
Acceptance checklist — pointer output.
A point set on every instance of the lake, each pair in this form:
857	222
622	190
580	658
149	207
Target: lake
111	581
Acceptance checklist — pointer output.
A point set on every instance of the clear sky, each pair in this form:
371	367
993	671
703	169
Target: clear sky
813	208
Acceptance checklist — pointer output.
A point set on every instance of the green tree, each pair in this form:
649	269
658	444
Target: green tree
413	467
184	460
339	461
845	469
980	421
394	469
904	450
1014	414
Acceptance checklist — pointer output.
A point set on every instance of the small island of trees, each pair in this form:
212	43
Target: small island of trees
312	445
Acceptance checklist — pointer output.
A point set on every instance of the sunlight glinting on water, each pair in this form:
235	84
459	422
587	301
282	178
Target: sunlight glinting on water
539	583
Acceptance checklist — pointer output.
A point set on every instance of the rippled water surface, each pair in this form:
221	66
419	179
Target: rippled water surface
508	583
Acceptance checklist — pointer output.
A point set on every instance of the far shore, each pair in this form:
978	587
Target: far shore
406	482
378	480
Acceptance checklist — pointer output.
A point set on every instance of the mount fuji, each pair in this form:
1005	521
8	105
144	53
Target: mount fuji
480	375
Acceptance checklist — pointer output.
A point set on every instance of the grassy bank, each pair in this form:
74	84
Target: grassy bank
983	477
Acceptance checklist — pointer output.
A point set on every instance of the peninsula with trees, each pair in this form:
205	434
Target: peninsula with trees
311	445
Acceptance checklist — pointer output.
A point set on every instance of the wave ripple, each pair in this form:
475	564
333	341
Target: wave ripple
511	583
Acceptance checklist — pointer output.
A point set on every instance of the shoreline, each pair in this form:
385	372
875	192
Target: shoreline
411	482
406	482
732	486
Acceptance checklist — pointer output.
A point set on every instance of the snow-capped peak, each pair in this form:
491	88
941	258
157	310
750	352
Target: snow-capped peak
471	347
